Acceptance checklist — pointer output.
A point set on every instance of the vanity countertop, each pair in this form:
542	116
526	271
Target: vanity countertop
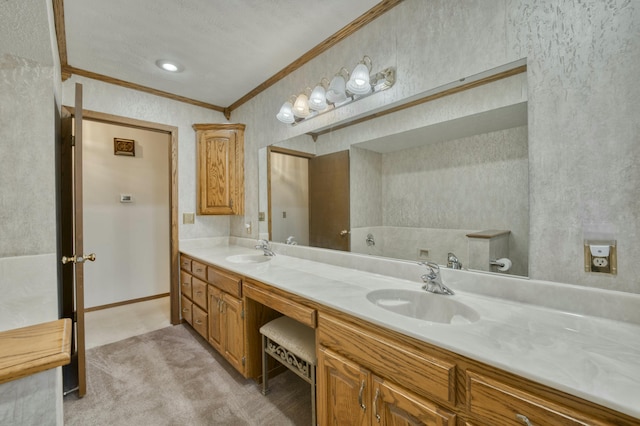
590	357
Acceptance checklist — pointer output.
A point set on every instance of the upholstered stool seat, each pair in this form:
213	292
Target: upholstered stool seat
294	345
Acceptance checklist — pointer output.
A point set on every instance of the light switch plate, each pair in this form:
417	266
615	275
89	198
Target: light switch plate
188	218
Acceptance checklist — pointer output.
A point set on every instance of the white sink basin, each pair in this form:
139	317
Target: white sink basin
248	258
424	306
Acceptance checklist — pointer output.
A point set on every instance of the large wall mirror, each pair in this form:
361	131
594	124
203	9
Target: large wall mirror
458	184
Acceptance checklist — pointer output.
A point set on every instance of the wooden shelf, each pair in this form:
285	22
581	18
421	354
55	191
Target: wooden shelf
30	350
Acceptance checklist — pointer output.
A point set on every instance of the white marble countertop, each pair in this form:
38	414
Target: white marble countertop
590	357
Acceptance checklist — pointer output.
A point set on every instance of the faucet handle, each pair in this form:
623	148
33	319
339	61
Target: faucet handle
434	270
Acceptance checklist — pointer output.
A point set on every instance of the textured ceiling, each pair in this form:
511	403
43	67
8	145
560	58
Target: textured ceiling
227	47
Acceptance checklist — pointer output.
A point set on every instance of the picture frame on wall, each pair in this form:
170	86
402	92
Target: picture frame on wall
124	147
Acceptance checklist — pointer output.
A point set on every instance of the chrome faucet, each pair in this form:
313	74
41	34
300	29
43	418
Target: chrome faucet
453	262
370	241
433	281
265	247
291	240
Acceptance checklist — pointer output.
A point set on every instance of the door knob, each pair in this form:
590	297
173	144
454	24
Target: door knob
344	232
78	259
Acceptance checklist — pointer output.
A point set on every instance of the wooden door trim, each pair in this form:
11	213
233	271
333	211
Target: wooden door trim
172	131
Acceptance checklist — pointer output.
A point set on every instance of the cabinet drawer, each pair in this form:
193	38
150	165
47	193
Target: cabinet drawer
185	263
229	283
390	358
199	292
199	270
294	310
200	320
495	402
185	284
186	309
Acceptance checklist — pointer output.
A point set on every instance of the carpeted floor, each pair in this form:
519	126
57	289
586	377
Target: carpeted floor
173	377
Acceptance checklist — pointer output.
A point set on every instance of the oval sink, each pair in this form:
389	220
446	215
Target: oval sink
248	258
424	306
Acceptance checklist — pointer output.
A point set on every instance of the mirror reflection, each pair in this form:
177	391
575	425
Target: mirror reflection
455	193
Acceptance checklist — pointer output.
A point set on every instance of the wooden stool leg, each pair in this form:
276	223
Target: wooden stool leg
265	379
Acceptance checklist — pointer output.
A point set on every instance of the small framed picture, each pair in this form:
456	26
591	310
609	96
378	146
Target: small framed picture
124	147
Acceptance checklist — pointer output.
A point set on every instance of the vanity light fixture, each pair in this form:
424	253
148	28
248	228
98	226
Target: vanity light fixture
285	114
337	88
301	105
359	83
170	66
342	90
318	98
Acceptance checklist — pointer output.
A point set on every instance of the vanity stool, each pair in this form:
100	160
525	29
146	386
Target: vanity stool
294	345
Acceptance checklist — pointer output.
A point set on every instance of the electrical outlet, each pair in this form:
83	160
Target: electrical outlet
600	257
600	262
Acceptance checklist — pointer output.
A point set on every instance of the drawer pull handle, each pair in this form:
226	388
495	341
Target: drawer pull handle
364	407
199	322
375	405
185	310
523	419
199	292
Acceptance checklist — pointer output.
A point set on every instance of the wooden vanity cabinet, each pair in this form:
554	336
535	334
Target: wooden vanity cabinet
193	294
358	375
226	317
343	390
350	394
494	402
368	375
220	168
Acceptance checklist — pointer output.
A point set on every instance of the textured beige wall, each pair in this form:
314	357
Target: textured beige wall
116	100
582	62
28	284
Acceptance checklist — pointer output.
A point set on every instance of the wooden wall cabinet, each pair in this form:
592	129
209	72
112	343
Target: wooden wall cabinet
220	177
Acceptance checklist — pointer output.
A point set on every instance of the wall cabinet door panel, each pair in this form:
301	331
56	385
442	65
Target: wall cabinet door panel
220	168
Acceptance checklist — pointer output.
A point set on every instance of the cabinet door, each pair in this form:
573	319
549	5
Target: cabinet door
221	169
393	405
343	390
233	331
215	318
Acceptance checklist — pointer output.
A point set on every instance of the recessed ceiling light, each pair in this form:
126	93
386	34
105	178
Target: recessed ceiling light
169	65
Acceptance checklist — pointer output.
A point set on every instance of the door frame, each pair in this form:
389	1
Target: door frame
172	131
284	151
